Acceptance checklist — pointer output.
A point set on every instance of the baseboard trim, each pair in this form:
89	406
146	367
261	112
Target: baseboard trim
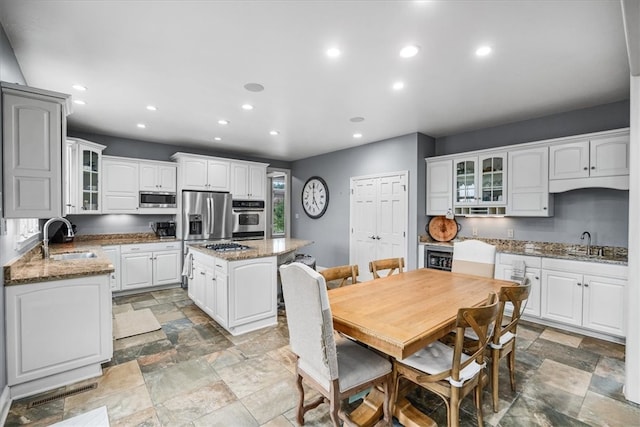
5	405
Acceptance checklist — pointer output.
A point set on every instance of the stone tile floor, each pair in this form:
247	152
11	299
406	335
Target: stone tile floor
193	373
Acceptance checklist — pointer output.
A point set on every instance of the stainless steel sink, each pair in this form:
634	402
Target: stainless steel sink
73	255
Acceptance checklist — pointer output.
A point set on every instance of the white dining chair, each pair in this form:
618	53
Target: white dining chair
474	257
336	367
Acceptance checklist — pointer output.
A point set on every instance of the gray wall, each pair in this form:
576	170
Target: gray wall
602	212
139	149
585	120
331	232
9	72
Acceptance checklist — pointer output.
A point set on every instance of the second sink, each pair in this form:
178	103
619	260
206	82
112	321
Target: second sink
73	255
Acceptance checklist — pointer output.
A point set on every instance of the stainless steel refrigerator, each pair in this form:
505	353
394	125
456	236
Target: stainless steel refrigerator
206	215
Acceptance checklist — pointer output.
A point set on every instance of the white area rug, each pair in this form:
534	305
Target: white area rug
134	322
95	418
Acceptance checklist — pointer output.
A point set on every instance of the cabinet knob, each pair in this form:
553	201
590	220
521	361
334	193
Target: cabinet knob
579	284
537	278
593	167
586	285
586	168
545	208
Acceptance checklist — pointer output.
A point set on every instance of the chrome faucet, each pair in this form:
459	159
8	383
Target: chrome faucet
588	241
45	234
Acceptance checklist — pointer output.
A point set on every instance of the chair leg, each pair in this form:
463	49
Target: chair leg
454	408
334	408
478	398
387	386
300	416
512	367
495	383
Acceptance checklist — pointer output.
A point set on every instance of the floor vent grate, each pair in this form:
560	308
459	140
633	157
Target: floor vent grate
62	395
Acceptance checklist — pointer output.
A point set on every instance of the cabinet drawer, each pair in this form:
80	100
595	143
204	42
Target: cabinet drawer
151	247
529	261
585	267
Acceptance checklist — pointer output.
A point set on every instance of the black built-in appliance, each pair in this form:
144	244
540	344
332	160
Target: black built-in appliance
156	199
248	219
165	230
439	257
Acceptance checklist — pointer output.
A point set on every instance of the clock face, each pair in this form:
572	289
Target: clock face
315	197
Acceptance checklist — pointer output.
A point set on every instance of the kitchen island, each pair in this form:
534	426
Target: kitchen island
239	289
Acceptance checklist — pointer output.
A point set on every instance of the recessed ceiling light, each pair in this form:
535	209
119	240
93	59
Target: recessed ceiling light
356	119
247	107
254	87
398	85
223	122
333	52
274	132
357	135
141	125
483	50
152	108
409	51
79	102
79	87
217	138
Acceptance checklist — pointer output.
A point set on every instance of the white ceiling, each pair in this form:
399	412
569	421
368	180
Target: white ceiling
191	59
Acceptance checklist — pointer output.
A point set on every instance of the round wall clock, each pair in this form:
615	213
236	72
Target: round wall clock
315	197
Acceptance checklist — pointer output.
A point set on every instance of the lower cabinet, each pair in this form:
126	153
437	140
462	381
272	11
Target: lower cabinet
584	294
504	270
241	296
57	332
113	252
150	264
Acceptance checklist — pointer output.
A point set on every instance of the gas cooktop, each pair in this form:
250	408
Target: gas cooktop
227	247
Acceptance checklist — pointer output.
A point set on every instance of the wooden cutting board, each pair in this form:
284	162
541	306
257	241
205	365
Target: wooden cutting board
442	229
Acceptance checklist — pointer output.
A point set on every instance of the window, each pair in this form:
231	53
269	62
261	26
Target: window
278	206
27	231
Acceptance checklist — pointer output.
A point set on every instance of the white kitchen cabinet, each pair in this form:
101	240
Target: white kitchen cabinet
33	128
504	270
203	173
378	220
241	296
83	174
113	252
480	180
57	332
248	180
587	295
439	187
528	183
150	264
592	162
120	185
252	292
158	176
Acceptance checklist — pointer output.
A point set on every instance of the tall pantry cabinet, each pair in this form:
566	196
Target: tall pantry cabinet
33	128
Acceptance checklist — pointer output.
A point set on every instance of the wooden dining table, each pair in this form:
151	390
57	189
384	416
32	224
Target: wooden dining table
400	314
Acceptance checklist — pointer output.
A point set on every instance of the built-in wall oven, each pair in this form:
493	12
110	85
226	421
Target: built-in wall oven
248	219
439	257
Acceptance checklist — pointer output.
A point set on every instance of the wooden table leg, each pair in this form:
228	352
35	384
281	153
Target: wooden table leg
370	410
409	416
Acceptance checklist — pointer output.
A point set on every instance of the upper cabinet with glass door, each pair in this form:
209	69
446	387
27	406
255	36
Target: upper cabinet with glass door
83	174
479	184
480	180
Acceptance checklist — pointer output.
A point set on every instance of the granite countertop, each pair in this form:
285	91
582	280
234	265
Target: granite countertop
258	249
610	254
31	268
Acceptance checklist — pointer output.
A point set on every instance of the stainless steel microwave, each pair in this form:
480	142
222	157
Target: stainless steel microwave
153	199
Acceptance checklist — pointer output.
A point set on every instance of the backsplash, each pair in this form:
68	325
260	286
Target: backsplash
527	247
